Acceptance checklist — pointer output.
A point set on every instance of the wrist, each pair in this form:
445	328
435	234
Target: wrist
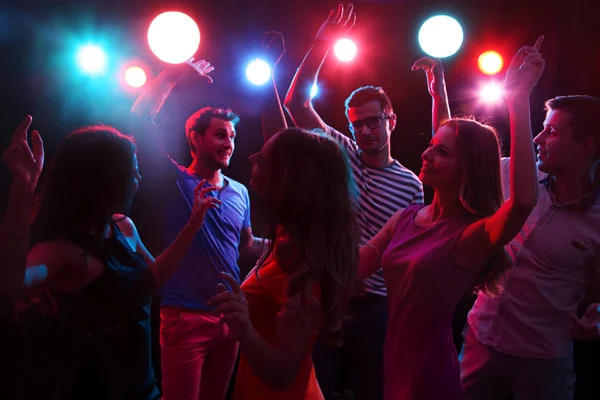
24	190
322	44
517	98
248	335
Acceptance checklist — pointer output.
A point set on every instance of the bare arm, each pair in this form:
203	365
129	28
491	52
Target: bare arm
485	237
14	240
25	165
370	254
436	84
273	117
169	260
298	101
152	99
276	364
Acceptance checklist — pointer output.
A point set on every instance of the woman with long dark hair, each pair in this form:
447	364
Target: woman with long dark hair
90	269
301	284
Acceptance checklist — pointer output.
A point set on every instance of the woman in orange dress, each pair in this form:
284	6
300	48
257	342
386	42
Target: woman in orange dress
301	284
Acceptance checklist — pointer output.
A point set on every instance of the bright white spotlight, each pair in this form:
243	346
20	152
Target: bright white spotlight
173	37
314	90
258	72
440	36
91	59
345	50
491	93
135	77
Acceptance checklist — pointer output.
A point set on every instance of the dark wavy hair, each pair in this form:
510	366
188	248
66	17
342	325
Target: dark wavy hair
200	121
89	180
477	148
312	199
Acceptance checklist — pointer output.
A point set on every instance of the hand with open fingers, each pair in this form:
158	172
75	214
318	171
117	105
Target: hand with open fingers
524	71
232	307
25	163
200	67
434	71
588	327
274	46
202	203
337	24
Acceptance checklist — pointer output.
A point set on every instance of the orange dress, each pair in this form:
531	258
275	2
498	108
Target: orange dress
266	299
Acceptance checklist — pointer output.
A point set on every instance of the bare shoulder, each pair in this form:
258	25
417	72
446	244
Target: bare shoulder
125	224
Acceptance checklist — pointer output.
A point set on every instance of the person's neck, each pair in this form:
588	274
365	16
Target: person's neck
381	159
213	176
571	186
445	206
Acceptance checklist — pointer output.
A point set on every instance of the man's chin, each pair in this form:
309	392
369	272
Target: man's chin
372	149
543	167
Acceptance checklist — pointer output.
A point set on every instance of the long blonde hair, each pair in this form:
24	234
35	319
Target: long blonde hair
478	153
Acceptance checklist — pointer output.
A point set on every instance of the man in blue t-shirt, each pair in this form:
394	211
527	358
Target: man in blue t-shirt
197	356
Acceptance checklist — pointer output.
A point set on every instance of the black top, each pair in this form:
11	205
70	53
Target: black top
101	346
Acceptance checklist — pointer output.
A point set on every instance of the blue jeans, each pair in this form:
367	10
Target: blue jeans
361	355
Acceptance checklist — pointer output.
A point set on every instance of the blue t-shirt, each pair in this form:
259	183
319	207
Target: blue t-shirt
215	247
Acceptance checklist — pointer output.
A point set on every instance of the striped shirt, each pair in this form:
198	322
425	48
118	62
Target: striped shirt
382	192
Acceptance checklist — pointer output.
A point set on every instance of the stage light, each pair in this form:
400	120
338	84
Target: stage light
258	72
314	90
345	50
490	62
491	93
173	37
135	77
91	59
440	36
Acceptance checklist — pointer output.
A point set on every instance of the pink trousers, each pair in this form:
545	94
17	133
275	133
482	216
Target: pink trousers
197	355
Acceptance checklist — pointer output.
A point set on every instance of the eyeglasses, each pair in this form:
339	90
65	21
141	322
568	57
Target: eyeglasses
370	122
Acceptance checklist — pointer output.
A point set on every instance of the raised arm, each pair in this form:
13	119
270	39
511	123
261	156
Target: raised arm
152	99
436	84
25	164
273	117
485	237
298	99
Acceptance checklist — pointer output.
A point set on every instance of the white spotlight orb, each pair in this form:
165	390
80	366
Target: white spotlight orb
440	36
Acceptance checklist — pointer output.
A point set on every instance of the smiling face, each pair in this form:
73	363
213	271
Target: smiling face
440	165
216	146
558	151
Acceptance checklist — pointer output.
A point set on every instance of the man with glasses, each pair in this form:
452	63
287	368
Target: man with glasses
385	186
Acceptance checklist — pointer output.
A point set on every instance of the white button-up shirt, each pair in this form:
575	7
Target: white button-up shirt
556	256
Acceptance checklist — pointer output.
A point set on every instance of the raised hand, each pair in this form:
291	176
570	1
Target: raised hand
274	46
588	327
202	203
25	163
434	71
524	71
200	67
232	307
337	24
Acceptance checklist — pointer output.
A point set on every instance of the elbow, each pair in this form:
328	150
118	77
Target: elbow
294	104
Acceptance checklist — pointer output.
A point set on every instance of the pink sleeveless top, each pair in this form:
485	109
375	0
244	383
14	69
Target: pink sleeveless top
424	286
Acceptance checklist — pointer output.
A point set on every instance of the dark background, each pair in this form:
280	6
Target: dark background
38	41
